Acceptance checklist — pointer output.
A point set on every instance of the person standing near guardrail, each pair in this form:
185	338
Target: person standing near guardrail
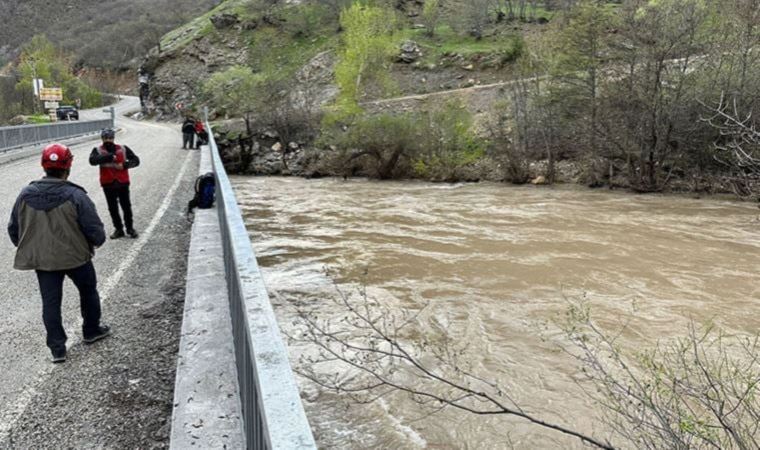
188	133
115	161
56	228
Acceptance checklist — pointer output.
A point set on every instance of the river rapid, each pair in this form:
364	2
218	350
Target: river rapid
496	265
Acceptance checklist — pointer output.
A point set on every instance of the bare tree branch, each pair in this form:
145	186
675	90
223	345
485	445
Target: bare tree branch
383	363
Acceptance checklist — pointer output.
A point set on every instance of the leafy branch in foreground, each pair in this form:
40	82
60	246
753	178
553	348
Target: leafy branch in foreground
368	338
697	391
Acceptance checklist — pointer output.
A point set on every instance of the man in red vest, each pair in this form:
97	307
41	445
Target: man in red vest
115	161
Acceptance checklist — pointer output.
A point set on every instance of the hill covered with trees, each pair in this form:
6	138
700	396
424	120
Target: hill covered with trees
87	47
112	34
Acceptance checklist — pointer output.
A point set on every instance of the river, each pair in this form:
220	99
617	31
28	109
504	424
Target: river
496	265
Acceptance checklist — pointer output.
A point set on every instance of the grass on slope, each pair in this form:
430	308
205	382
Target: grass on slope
202	26
505	47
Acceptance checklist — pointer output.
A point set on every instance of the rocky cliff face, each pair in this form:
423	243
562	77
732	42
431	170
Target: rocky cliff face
177	75
176	78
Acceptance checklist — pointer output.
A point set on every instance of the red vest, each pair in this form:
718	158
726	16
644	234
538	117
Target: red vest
108	171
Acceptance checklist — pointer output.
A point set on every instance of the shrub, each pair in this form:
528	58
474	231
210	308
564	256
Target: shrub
380	146
447	142
307	20
432	145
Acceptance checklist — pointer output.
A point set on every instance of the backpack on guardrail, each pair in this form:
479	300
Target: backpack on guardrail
205	192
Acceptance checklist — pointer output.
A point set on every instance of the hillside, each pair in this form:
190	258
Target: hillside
105	34
620	91
288	42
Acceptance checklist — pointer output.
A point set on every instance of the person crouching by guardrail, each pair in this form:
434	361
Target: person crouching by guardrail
201	136
56	228
115	161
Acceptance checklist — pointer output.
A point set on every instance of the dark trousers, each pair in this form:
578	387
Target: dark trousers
200	139
51	288
187	140
116	195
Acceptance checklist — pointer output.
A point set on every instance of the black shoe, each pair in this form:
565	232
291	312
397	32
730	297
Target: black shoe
117	234
132	233
103	331
59	356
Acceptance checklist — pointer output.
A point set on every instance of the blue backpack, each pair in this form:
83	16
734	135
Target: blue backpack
205	192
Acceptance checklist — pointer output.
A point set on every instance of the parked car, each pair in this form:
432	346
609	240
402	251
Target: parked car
67	112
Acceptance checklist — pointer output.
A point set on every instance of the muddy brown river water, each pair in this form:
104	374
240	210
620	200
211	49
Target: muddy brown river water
496	263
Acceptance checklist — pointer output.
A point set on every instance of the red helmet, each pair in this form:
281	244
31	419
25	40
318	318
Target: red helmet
56	156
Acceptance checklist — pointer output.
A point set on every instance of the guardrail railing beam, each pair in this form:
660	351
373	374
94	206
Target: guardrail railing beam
273	414
23	135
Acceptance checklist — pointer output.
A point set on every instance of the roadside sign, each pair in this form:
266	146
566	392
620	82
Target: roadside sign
178	106
51	105
51	94
37	83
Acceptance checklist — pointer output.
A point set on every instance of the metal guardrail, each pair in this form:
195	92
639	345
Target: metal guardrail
23	135
273	415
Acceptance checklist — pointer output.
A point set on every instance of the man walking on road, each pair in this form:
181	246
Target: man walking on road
55	227
115	161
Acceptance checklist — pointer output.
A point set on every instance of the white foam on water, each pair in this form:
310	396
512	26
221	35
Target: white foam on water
405	430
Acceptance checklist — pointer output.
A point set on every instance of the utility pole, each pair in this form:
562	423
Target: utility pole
33	66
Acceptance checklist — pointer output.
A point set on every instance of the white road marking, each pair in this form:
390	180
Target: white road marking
11	413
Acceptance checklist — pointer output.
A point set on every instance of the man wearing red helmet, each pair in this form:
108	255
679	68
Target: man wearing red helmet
115	161
56	228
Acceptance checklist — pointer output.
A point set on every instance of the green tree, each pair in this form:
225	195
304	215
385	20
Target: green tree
653	108
41	59
431	12
729	84
472	16
233	91
580	49
364	60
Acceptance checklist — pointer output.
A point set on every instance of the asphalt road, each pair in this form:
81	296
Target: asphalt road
160	188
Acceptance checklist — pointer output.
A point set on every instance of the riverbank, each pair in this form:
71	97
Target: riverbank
265	154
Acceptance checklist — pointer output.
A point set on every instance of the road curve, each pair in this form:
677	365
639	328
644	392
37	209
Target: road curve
161	186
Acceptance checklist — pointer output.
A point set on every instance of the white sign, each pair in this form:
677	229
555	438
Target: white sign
37	84
51	105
